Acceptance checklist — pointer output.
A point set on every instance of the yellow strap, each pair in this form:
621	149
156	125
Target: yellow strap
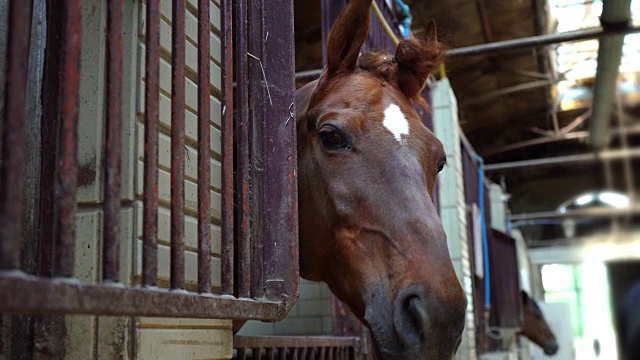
385	25
443	71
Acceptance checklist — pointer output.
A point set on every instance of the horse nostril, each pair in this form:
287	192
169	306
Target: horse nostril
410	317
551	348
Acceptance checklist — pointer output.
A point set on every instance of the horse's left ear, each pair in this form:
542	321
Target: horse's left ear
417	58
347	36
525	296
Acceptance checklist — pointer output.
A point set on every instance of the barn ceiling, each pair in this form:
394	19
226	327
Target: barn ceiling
530	104
536	104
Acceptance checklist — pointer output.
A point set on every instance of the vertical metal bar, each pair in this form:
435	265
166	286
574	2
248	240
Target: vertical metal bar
113	148
204	130
227	148
67	160
323	350
177	144
50	124
244	205
271	354
44	326
257	353
282	353
256	96
242	354
277	182
294	353
151	118
13	136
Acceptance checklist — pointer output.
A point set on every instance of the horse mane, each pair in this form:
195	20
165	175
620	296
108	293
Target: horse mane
416	58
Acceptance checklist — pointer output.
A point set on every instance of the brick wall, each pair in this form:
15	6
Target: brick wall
452	204
311	315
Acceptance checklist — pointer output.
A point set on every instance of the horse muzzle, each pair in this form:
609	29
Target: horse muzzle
423	327
550	348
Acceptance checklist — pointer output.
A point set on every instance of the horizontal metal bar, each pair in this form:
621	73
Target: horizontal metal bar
69	296
563	160
573	135
512	45
506	91
294	341
539	40
575	213
308	75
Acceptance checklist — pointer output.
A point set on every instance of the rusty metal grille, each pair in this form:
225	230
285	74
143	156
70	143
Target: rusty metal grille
297	348
259	280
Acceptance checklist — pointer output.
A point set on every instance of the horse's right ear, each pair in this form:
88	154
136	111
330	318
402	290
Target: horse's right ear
347	36
525	296
417	58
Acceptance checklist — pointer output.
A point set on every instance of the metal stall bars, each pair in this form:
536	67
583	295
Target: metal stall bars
266	172
297	347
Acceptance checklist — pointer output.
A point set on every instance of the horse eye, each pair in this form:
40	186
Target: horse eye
332	139
441	164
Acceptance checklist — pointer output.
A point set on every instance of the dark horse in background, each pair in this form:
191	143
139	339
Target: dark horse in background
628	325
366	171
535	327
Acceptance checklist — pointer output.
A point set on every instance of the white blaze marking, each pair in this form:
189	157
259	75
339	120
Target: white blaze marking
395	122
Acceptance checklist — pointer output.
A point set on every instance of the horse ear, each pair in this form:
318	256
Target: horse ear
417	58
525	296
431	33
347	36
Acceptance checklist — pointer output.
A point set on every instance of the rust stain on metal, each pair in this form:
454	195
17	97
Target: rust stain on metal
72	297
177	144
151	118
267	240
67	171
11	171
227	148
113	182
204	133
243	245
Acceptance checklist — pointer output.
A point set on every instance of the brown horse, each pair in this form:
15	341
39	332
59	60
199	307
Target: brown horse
535	327
367	167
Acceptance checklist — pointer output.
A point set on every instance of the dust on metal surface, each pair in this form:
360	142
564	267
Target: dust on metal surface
177	143
227	250
67	171
243	246
204	143
151	119
113	142
13	133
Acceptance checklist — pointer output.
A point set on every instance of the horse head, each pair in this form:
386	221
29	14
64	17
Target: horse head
367	167
535	327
